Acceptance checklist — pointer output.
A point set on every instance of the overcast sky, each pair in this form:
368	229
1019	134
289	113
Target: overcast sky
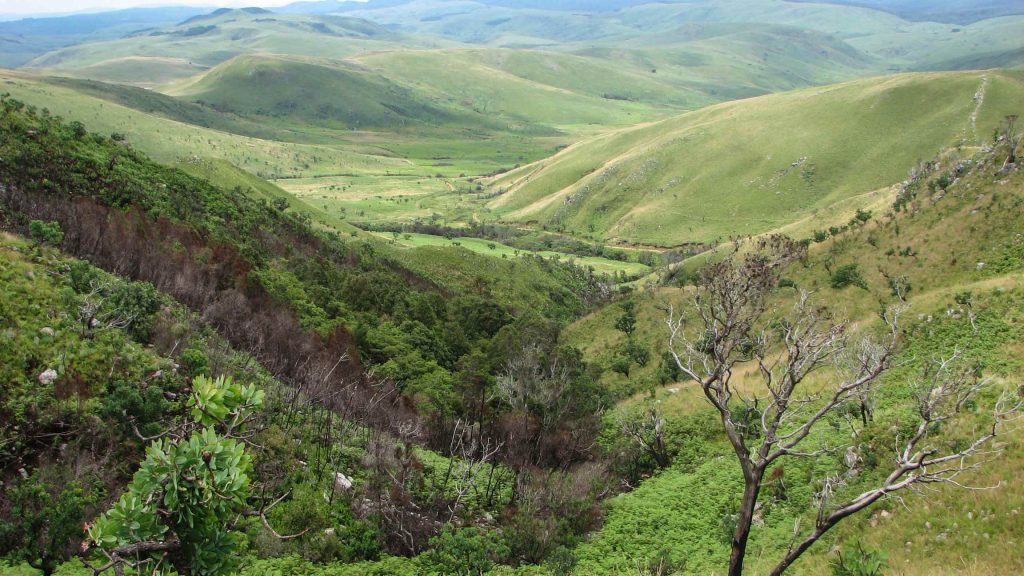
69	6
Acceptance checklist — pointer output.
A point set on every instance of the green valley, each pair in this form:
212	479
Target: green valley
512	288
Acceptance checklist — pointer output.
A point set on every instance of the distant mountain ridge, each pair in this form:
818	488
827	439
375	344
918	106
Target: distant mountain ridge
27	38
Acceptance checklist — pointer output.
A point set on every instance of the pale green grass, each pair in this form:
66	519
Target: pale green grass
463	79
756	165
499	250
168	140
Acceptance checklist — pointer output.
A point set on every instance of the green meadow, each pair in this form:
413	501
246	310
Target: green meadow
499	250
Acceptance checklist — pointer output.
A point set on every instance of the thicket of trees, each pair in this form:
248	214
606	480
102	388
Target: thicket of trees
375	347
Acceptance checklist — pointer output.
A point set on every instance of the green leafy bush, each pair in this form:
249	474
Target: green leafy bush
46	232
190	488
848	275
466	551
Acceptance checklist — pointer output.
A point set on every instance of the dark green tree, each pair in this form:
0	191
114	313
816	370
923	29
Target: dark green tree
46	232
626	322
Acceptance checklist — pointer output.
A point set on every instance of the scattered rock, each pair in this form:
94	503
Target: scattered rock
329	532
885	514
23	473
47	331
342	482
979	266
48	376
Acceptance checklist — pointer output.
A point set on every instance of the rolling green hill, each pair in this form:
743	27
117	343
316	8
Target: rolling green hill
751	166
335	96
895	33
521	87
211	39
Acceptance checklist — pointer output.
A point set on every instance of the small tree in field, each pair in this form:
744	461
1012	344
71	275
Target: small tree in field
737	325
626	323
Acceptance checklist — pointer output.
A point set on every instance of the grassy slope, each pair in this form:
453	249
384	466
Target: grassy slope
306	93
224	174
211	40
168	140
728	61
492	83
751	166
947	532
143	71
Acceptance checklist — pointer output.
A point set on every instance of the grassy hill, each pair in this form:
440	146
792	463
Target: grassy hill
894	29
751	166
523	87
951	11
210	39
306	93
688	53
163	129
28	38
957	245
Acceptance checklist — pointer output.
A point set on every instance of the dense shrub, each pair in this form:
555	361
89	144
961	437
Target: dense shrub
848	275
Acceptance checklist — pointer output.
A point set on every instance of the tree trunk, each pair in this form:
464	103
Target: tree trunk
751	488
795	553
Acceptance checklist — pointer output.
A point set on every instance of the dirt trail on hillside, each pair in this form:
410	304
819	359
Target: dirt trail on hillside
979	101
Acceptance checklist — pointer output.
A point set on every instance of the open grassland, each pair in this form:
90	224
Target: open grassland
371	175
168	140
756	165
499	250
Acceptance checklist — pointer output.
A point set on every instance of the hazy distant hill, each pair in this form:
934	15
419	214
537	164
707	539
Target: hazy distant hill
954	11
208	39
22	40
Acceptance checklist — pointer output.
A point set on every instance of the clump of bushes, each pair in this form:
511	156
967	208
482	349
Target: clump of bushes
848	275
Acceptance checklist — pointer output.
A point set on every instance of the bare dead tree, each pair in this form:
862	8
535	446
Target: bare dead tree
736	325
647	430
468	459
940	395
1012	140
95	315
538	384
